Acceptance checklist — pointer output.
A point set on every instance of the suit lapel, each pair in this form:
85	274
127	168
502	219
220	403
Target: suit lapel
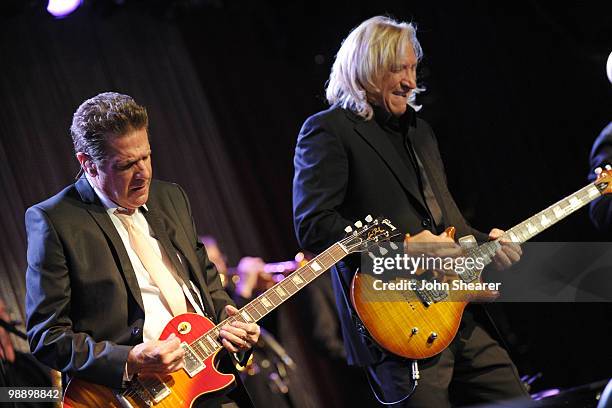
379	141
100	216
424	151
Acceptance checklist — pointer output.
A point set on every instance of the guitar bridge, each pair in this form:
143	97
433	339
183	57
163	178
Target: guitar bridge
424	296
193	364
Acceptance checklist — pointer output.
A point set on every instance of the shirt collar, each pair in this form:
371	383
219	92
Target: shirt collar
387	120
107	202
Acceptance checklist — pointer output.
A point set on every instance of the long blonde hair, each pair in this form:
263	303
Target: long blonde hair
370	50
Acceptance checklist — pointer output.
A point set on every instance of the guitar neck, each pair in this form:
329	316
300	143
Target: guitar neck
283	290
265	303
532	226
553	214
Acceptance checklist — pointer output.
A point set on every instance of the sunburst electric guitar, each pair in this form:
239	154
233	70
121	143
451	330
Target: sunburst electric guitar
200	337
418	324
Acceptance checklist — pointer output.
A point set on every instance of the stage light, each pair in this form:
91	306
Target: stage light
61	8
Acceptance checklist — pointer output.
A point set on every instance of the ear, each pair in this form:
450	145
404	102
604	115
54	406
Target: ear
87	164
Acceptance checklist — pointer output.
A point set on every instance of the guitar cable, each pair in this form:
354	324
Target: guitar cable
415	381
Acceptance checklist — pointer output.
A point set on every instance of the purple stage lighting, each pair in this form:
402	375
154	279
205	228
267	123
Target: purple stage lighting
61	8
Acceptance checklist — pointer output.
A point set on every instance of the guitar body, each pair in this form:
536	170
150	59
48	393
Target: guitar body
418	324
405	325
390	318
180	389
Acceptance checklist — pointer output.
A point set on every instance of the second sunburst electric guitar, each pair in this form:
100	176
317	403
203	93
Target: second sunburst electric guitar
418	324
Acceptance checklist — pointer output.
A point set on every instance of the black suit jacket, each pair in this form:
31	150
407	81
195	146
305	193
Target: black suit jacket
346	168
83	303
601	154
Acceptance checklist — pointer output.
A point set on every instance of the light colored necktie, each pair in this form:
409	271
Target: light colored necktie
160	269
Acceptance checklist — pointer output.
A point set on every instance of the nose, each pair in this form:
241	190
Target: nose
409	81
142	170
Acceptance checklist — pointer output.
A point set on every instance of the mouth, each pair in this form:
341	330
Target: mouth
139	188
401	94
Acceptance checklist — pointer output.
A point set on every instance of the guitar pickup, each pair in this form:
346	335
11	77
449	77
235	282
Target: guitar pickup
431	296
427	301
193	364
158	390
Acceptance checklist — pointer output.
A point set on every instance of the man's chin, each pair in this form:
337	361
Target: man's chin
399	111
138	200
397	108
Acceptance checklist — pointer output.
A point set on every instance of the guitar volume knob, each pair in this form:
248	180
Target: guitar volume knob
414	331
432	337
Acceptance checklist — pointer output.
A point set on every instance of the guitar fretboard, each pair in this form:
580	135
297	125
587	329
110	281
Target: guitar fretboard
210	343
534	225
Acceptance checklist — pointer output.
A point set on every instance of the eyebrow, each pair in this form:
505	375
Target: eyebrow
128	162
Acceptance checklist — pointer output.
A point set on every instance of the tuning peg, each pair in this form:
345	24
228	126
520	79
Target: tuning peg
598	170
358	224
383	251
348	229
368	218
608	167
372	256
393	246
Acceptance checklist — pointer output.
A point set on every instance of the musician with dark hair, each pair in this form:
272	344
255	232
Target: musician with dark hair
115	256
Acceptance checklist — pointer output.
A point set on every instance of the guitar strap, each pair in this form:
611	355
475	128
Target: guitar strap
435	211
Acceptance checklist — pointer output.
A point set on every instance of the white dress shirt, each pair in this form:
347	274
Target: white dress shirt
156	313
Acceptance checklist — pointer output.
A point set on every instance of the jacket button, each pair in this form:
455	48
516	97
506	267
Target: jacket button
135	331
426	223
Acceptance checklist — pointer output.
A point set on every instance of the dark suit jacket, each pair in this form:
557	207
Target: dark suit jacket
347	168
601	154
83	303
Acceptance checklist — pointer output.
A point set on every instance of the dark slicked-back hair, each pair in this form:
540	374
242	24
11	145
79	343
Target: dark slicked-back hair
102	117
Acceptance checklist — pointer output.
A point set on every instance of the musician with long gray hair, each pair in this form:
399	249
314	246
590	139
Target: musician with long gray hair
370	153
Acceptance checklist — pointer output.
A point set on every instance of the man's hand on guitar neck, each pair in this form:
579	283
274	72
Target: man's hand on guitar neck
238	336
509	253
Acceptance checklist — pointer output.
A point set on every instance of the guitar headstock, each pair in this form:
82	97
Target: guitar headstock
363	236
604	179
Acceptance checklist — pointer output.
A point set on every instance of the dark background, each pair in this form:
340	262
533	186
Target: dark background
516	93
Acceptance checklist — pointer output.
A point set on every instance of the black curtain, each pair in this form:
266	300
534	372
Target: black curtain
50	66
